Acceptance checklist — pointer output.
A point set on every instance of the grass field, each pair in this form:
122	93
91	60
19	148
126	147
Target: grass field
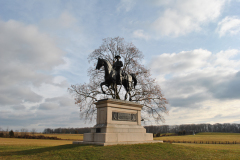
64	136
12	148
205	137
32	142
227	147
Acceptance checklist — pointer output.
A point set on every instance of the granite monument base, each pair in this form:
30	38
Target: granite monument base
118	122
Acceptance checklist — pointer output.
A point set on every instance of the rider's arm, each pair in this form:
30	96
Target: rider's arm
121	64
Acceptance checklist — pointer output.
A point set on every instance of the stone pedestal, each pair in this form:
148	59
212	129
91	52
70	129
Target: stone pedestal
118	122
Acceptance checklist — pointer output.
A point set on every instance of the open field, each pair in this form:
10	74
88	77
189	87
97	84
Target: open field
205	137
32	142
218	133
139	151
64	136
16	148
232	147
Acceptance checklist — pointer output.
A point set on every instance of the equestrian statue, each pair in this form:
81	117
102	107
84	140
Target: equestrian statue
115	76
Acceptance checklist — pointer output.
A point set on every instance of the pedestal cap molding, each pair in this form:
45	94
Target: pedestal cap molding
108	102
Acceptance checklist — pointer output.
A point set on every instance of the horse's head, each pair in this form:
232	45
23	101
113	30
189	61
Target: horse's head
99	63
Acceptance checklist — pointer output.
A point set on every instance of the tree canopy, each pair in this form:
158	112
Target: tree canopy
147	92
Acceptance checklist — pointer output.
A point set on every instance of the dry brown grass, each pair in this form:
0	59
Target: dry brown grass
139	152
209	138
16	148
232	147
64	136
32	142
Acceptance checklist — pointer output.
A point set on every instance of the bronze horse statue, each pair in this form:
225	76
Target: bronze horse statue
129	81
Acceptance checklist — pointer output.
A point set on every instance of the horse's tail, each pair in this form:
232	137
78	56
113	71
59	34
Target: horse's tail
134	79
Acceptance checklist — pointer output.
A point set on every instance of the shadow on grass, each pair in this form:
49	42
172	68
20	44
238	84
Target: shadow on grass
40	150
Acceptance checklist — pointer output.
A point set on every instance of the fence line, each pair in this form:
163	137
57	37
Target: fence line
203	142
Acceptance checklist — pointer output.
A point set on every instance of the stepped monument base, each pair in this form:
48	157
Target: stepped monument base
118	122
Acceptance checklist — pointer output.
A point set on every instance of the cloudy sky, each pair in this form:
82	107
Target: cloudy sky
191	46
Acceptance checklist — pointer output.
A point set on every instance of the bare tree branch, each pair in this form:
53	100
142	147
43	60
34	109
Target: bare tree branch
147	92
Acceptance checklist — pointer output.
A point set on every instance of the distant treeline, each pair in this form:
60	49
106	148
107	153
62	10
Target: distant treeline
67	130
24	134
194	128
186	128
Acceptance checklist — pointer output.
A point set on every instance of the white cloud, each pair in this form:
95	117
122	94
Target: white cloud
198	75
126	5
51	90
226	59
201	85
32	93
211	112
185	16
181	63
140	34
27	47
229	25
19	107
17	94
33	88
48	106
27	58
60	80
50	114
64	21
64	101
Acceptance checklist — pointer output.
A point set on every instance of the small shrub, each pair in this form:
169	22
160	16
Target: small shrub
158	134
1	134
184	132
11	134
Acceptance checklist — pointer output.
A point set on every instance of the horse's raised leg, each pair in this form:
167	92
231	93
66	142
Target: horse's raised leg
130	97
129	91
103	83
126	86
130	88
125	96
115	91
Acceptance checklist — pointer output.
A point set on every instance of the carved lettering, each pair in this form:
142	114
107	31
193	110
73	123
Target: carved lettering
117	116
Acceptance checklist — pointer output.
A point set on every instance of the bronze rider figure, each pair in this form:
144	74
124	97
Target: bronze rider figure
117	67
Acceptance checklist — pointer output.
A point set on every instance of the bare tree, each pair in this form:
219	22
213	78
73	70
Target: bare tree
33	131
16	133
147	92
24	131
6	132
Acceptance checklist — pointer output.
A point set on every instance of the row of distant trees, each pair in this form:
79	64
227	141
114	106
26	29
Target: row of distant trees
22	132
194	128
186	128
67	130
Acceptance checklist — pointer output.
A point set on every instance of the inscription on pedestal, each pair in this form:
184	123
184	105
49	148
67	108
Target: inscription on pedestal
117	116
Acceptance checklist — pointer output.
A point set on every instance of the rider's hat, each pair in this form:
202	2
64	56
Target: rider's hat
117	56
